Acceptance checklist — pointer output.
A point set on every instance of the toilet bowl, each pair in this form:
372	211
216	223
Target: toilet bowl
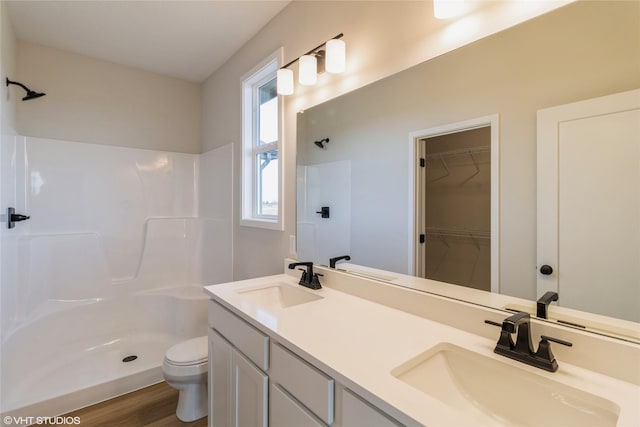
185	369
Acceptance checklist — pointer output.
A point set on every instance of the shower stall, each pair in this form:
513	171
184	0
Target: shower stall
107	272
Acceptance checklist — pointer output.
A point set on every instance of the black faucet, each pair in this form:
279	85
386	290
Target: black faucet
309	279
543	304
332	261
522	350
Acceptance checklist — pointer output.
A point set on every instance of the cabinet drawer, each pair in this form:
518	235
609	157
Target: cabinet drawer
285	412
310	386
357	412
250	341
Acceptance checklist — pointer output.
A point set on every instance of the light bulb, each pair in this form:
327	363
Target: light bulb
308	71
335	61
285	81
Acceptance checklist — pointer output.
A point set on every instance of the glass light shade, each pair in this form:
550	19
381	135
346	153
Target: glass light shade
335	61
445	9
285	81
308	71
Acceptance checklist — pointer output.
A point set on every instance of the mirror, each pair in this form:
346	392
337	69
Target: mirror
581	51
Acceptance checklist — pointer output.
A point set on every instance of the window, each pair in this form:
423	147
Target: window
262	147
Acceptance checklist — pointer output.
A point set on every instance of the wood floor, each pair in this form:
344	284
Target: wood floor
151	406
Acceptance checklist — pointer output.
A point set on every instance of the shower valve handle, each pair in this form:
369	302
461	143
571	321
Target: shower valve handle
13	217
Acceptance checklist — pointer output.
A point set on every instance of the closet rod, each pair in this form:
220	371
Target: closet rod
457	232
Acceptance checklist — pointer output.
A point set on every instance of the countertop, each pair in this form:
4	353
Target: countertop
360	342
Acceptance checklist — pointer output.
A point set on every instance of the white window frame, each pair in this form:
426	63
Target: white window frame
259	75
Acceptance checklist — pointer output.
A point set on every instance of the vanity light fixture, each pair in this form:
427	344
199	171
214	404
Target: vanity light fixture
445	9
308	70
285	81
335	61
330	56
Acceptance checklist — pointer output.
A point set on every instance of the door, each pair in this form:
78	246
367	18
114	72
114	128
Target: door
589	205
455	193
249	393
238	390
220	377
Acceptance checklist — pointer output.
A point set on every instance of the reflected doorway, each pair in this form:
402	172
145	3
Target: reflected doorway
455	203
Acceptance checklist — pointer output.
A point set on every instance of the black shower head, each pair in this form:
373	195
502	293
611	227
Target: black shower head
321	142
33	95
30	93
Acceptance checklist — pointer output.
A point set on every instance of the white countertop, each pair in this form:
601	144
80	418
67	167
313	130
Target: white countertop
360	342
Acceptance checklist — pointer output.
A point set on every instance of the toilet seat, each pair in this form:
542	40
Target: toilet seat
188	353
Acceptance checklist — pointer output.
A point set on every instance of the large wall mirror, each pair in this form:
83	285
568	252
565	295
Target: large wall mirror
365	172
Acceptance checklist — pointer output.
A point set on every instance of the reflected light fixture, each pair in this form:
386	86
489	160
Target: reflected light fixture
330	56
445	9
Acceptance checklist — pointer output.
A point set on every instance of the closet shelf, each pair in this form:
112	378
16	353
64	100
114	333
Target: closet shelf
458	232
460	152
465	152
445	234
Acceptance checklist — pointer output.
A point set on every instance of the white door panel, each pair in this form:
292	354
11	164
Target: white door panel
589	204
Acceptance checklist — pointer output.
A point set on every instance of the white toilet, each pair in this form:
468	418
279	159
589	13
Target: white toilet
185	369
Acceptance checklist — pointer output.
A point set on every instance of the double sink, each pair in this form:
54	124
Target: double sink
480	387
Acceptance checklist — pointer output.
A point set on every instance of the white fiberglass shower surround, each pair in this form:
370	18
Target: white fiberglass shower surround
107	273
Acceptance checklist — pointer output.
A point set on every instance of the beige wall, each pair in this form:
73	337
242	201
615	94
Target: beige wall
382	38
94	101
7	69
585	50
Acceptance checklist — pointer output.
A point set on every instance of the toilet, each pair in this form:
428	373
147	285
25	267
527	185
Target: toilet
185	369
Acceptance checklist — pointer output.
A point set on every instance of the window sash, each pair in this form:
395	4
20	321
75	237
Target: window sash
254	212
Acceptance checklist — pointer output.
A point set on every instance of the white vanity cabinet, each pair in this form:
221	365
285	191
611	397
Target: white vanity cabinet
254	381
238	386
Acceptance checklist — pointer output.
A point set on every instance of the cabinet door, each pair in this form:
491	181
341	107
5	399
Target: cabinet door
284	411
220	375
249	391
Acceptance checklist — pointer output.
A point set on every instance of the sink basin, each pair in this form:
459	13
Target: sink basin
278	295
498	394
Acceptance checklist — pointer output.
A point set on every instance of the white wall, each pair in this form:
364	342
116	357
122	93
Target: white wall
7	69
100	102
382	38
215	195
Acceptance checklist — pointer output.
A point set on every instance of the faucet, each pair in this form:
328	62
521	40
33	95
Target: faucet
332	261
309	279
543	304
522	350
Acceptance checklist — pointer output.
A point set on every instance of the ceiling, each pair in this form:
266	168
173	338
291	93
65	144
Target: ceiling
180	38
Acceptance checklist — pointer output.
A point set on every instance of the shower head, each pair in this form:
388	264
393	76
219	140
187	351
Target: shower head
30	93
321	142
33	95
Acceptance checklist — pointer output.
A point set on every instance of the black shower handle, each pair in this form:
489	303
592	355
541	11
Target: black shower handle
13	217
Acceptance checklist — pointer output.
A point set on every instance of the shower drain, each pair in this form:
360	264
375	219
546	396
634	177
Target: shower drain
129	358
